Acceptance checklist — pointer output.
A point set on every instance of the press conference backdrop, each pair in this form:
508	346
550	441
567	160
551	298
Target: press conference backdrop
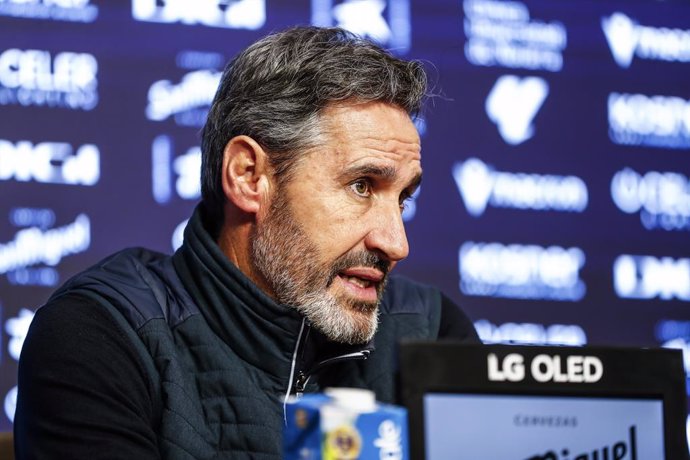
555	206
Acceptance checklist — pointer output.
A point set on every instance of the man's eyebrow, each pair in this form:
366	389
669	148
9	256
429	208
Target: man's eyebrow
383	172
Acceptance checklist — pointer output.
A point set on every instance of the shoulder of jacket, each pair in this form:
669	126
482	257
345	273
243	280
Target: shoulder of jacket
137	282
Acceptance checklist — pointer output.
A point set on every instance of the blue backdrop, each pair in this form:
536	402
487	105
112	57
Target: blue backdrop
555	206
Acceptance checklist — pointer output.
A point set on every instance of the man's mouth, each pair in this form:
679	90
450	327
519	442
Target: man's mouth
362	282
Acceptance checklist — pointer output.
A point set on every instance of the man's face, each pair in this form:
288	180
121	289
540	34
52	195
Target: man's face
334	231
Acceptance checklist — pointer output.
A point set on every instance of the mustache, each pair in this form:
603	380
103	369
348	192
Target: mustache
359	259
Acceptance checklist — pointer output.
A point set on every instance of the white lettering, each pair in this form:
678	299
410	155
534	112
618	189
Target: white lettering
196	90
501	33
49	162
11	403
17	328
512	368
56	10
654	121
576	369
232	14
647	277
530	333
662	197
188	169
32	245
517	271
34	77
627	38
479	185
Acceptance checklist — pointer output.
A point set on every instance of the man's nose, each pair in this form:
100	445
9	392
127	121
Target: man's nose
387	234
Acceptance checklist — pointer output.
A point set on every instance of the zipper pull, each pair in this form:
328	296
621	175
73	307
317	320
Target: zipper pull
300	383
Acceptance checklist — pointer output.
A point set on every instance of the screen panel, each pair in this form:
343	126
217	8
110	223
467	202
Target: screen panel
472	426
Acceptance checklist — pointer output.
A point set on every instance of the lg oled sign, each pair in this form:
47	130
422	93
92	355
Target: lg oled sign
555	207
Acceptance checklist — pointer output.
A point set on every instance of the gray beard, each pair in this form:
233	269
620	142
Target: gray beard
288	261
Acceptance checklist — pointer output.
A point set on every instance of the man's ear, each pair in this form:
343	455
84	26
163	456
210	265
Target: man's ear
246	180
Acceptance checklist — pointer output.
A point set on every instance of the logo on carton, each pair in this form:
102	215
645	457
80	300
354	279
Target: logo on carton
389	441
343	443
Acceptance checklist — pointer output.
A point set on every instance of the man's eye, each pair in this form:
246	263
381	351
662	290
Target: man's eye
361	187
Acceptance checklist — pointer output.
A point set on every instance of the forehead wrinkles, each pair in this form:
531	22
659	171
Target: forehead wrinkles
395	147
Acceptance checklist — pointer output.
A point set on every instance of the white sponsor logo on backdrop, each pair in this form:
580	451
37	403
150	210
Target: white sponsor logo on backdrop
34	245
649	277
11	403
384	21
503	34
627	39
530	333
188	101
521	271
231	14
654	121
56	10
181	173
480	185
37	78
513	103
16	329
49	162
661	198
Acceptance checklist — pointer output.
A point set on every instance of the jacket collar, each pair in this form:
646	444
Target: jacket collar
259	330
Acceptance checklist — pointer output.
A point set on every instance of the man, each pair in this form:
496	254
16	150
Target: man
309	154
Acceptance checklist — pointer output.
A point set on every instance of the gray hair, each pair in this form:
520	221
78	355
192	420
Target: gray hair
274	92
